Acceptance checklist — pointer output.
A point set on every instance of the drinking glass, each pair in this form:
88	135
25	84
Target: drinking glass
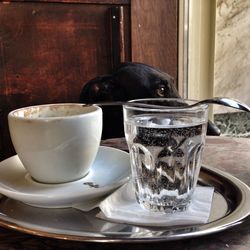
165	145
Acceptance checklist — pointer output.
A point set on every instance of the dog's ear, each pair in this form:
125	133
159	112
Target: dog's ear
95	89
102	89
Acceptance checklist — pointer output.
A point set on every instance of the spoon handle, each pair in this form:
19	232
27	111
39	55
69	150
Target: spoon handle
134	104
228	102
224	101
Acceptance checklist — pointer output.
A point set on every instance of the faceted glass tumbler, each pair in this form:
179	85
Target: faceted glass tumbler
165	144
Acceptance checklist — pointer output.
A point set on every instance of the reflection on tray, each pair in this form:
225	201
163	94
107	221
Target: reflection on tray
76	225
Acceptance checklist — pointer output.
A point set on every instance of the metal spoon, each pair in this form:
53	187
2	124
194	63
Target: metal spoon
229	102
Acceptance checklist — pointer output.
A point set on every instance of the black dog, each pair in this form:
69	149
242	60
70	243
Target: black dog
129	81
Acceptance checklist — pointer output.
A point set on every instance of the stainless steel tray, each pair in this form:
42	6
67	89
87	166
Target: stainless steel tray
231	206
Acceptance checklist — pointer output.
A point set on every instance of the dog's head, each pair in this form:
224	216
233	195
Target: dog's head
129	81
139	80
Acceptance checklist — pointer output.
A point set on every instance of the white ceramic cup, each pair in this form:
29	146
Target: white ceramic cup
56	142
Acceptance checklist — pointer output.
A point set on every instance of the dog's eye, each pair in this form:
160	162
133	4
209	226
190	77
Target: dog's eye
161	91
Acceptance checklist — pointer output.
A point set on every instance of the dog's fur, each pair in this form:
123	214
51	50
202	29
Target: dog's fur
129	81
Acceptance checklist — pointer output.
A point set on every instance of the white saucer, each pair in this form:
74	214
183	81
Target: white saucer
110	170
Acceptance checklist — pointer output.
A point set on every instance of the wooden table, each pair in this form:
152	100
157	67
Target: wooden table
227	154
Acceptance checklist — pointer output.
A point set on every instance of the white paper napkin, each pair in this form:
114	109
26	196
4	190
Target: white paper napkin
121	206
86	206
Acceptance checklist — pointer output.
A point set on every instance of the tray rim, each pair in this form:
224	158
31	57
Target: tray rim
236	217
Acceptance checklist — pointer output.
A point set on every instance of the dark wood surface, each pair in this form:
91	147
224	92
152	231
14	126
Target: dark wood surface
230	155
114	2
154	34
50	48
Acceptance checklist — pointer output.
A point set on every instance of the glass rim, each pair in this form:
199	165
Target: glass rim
201	106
